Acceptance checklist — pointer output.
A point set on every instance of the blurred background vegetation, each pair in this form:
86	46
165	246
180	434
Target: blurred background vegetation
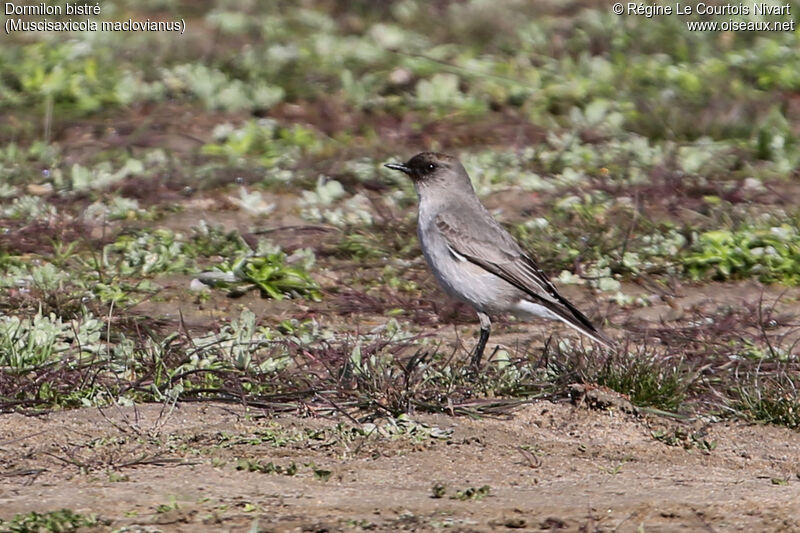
354	72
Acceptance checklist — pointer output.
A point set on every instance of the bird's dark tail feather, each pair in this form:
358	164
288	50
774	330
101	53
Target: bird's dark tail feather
578	321
594	334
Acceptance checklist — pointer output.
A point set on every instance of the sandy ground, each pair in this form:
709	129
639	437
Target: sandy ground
548	466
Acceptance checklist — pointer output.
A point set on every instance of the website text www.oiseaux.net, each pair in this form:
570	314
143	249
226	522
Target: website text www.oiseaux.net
740	25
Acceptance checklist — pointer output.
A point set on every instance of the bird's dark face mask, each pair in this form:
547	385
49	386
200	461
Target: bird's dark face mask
422	167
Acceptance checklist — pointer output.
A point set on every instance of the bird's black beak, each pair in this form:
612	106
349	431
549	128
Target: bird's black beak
396	166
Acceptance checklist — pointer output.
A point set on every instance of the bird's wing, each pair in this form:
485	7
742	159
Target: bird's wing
494	250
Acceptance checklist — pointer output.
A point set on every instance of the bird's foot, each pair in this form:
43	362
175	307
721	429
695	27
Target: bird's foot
476	357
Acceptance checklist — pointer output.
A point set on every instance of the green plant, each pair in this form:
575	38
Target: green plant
27	343
270	273
147	253
216	90
687	439
771	399
276	279
249	465
472	493
209	240
264	142
648	382
62	521
770	254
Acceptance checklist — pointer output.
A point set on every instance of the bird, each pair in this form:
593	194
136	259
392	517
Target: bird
474	259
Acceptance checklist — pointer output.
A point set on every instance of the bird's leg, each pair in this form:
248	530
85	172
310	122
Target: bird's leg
486	328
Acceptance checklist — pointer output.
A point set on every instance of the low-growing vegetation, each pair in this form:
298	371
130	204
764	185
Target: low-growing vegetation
603	198
184	226
64	520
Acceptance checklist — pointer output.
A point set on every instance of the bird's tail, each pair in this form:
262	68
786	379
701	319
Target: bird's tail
595	334
569	315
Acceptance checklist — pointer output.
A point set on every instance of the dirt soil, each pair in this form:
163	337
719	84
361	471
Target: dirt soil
548	466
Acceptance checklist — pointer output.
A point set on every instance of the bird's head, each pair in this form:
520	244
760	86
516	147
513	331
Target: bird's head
429	167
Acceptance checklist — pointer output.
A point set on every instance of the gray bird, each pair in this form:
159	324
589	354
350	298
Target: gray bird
474	259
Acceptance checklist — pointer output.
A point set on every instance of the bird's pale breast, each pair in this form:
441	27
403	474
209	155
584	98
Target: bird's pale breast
461	278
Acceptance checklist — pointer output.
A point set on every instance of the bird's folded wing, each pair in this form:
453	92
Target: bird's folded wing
493	249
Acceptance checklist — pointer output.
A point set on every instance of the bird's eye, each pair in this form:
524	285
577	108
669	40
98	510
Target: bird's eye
431	167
